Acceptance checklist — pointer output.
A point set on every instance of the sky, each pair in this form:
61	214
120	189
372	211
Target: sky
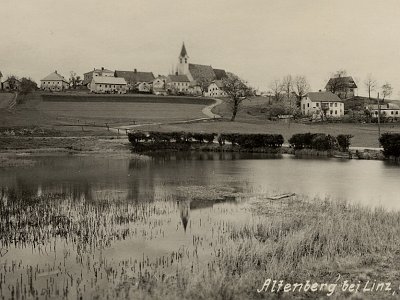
260	40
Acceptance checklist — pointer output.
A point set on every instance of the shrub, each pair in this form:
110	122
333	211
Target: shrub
301	140
317	141
391	144
344	141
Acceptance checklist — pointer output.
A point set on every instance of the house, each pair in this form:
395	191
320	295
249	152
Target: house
107	84
388	110
134	77
11	84
178	84
344	87
215	89
196	73
322	104
143	87
87	77
54	82
160	85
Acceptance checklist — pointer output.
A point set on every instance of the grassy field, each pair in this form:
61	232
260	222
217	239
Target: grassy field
294	241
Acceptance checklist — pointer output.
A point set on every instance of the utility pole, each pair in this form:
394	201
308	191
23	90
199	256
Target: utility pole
379	118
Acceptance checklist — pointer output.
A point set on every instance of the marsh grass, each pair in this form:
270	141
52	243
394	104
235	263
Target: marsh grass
295	241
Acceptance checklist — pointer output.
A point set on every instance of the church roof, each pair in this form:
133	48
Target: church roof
54	76
183	51
178	78
220	73
135	76
202	72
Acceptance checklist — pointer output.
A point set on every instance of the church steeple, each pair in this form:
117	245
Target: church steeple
183	62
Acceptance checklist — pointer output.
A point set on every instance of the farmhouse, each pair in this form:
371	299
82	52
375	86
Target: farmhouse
178	83
87	77
197	73
344	87
215	89
105	84
322	104
133	78
54	82
388	110
11	84
160	85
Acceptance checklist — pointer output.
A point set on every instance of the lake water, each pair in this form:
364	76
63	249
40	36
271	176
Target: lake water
113	220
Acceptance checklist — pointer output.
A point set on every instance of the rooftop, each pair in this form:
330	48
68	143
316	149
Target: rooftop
133	77
342	82
178	78
54	77
323	97
108	80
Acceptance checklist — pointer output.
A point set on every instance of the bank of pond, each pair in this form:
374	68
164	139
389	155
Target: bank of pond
308	144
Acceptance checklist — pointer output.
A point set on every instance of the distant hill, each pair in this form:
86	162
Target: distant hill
359	102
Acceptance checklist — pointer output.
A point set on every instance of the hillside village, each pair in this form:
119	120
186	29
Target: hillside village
338	99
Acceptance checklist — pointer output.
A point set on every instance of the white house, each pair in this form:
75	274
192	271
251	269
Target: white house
322	104
54	82
215	89
160	85
105	84
178	83
388	110
87	77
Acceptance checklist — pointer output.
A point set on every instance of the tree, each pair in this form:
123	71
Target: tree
203	83
12	82
386	90
74	80
340	73
237	91
276	88
370	84
335	84
301	87
287	85
27	85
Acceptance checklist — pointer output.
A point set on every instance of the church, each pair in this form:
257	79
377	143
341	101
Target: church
197	74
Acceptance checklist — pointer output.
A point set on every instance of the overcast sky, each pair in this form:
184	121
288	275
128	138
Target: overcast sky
259	39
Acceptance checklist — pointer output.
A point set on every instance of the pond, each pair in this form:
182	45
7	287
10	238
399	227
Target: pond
82	226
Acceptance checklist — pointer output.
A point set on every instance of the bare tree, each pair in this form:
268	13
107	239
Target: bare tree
370	84
386	90
300	87
237	91
287	85
340	73
74	80
276	88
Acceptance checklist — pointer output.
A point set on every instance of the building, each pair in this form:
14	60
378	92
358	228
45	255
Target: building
133	78
54	82
196	73
143	87
215	89
344	87
388	110
11	84
107	84
159	85
322	104
178	84
87	77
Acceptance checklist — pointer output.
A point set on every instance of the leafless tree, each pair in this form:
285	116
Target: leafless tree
287	85
340	73
74	80
237	91
370	84
276	88
386	90
300	87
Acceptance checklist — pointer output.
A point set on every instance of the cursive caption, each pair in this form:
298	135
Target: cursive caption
280	286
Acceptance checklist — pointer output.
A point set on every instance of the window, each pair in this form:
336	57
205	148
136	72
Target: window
392	112
397	112
330	104
308	104
331	112
304	106
335	112
185	60
335	104
317	104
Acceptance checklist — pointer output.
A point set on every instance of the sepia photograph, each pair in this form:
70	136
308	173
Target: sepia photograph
205	150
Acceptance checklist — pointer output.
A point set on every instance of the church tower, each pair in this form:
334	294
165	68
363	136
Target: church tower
183	63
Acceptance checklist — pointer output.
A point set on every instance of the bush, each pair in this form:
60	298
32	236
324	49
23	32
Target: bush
391	144
344	141
317	141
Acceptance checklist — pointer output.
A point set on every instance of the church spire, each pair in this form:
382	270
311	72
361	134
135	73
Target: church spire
183	51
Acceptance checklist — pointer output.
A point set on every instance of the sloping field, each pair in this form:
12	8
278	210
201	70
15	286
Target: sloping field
115	112
139	98
5	99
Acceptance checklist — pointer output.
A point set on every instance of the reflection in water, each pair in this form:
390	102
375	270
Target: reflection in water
81	226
